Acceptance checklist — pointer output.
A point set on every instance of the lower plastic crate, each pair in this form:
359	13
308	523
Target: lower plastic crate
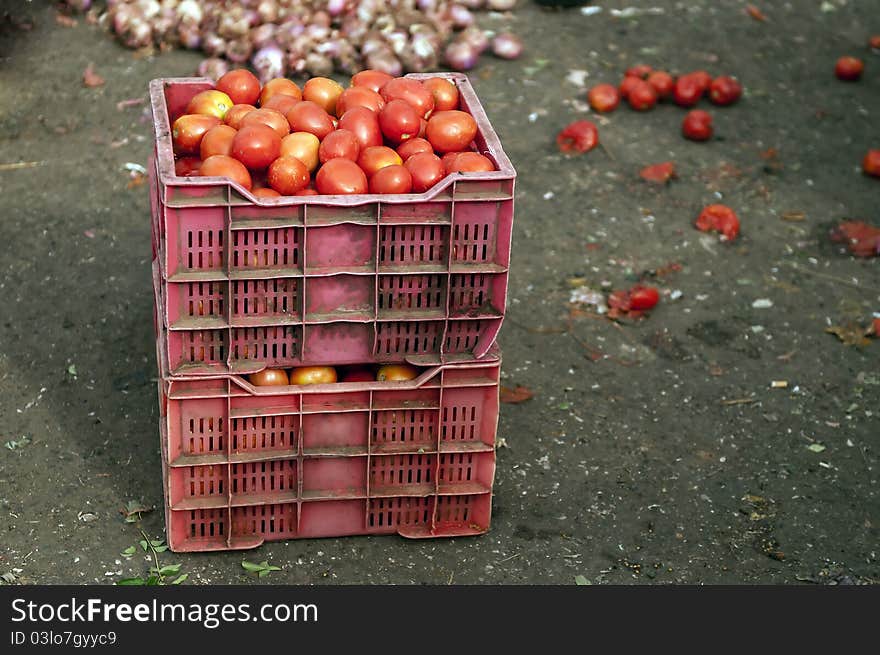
245	464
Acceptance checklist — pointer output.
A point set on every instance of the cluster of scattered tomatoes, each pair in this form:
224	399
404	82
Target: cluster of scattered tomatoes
273	377
382	134
850	69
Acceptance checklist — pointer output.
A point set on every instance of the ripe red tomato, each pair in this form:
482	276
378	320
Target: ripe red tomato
426	170
266	192
626	85
281	103
399	121
871	163
874	44
391	179
279	85
324	92
702	78
210	103
235	114
270	117
413	146
372	79
269	377
240	85
451	130
642	96
375	158
469	162
412	91
187	166
223	166
217	141
304	146
719	218
340	177
364	124
287	175
724	90
579	136
256	146
306	116
445	93
663	84
604	97
849	69
359	96
306	192
188	130
641	71
339	143
642	298
697	125
687	91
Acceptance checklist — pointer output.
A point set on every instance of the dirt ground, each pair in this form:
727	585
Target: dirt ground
654	451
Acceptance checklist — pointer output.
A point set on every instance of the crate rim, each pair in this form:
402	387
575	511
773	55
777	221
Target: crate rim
167	177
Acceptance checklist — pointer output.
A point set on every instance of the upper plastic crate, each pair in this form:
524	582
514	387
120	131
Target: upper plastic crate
290	281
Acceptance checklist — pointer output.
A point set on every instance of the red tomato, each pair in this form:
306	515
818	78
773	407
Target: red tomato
269	117
281	103
697	125
187	166
604	97
663	84
642	298
240	85
445	93
426	170
279	85
642	96
375	158
627	84
339	143
217	141
399	121
391	179
640	71
849	68
256	146
359	96
874	44
269	377
371	79
423	128
340	176
702	78
579	136
188	130
447	160
451	130
719	218
306	116
724	90
687	91
210	103
287	175
413	146
306	192
365	126
265	192
412	91
871	163
660	173
236	113
359	375
223	166
324	92
469	162
304	146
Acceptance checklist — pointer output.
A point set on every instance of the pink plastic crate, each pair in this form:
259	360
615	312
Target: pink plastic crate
249	283
244	464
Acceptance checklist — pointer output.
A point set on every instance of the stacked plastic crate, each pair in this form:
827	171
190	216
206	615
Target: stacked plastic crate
241	285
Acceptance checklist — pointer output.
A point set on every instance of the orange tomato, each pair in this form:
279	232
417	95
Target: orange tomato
270	377
287	175
377	157
396	373
313	375
223	166
445	93
217	141
236	113
279	86
210	103
324	92
302	145
271	117
188	130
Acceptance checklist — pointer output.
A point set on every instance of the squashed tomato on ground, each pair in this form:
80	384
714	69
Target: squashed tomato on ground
578	137
871	163
697	125
604	98
642	298
849	69
719	218
659	173
632	304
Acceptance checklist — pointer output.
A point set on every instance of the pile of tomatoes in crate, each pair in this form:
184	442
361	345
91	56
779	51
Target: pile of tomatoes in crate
382	134
271	377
